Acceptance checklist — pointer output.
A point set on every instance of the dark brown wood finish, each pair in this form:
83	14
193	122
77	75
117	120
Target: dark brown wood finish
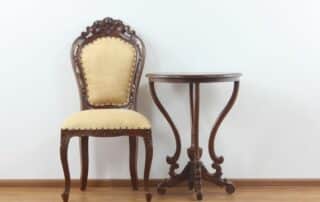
193	78
195	171
133	157
102	28
84	156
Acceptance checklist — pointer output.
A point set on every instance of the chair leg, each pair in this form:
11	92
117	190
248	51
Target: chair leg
133	142
65	139
148	161
84	155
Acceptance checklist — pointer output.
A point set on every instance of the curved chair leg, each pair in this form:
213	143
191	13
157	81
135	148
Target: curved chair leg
148	161
84	156
65	139
133	142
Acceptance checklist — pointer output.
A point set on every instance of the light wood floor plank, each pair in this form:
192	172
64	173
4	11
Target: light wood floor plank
124	194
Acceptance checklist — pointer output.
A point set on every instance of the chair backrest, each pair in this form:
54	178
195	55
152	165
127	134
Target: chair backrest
108	60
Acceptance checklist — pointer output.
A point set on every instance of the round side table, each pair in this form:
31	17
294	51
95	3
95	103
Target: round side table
194	172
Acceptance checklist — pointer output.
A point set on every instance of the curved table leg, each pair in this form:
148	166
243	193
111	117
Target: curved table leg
218	160
174	180
192	171
172	160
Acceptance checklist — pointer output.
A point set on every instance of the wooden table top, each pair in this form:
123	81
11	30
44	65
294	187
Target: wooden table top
182	77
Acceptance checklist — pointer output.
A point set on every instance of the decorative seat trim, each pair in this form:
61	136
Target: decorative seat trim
106	119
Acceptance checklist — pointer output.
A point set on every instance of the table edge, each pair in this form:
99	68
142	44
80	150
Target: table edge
176	78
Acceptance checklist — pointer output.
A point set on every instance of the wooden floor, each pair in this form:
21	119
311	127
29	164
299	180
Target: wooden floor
124	194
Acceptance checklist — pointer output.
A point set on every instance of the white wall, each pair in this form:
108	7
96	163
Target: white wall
272	132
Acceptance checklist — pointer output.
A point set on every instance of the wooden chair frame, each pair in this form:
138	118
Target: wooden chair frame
103	28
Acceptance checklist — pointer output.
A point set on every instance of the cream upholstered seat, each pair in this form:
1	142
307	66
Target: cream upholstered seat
106	119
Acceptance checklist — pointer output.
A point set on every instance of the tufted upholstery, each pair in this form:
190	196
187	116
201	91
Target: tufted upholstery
108	65
106	119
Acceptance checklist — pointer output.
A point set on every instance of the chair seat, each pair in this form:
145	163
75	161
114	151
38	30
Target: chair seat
112	119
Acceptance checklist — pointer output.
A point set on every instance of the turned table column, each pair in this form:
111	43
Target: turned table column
194	172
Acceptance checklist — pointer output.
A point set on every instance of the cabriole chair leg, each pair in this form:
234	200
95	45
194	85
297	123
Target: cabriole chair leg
148	161
65	139
84	157
133	143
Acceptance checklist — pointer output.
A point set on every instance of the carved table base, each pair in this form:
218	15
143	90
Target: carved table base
195	171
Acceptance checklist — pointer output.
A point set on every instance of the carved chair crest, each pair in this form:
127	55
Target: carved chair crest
111	28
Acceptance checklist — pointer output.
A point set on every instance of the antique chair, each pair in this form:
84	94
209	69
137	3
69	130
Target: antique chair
108	59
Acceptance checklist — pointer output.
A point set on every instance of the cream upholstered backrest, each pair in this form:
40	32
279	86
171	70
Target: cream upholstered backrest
108	59
108	67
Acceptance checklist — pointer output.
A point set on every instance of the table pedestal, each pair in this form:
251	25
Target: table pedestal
194	172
